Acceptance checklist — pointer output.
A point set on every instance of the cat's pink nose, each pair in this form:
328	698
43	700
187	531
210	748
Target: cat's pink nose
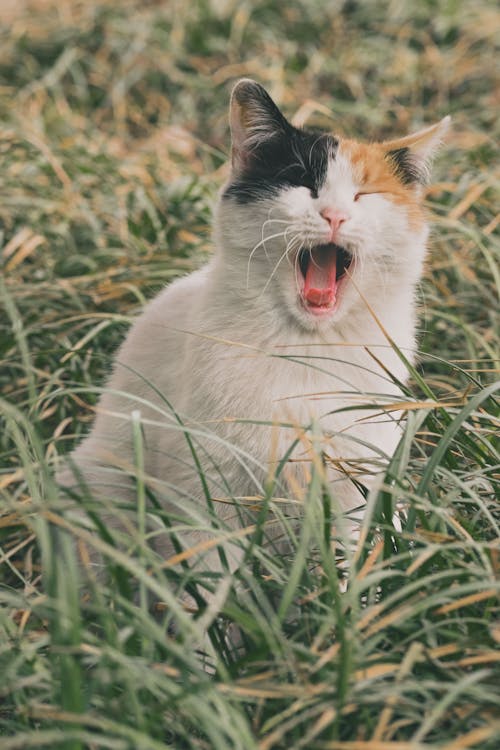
334	218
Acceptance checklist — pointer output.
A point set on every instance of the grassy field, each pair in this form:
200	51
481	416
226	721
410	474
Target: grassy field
114	141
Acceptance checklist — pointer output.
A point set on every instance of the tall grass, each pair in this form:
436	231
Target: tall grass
113	143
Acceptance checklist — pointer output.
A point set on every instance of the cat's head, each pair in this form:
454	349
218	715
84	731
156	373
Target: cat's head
315	223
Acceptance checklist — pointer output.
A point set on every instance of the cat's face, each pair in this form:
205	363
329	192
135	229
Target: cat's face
318	225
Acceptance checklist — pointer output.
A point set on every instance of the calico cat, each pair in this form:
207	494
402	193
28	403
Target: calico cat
239	371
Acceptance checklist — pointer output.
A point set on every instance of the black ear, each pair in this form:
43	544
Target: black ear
254	118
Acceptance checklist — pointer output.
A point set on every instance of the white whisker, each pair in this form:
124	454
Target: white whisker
259	244
288	247
296	271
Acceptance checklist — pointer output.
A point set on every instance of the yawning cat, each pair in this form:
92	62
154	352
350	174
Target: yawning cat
243	370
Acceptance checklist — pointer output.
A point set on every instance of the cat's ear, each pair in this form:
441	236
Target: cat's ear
411	156
254	118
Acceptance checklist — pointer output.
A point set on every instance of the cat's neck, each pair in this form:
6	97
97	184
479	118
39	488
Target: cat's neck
252	314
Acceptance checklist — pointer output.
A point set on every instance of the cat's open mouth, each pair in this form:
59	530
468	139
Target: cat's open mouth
323	268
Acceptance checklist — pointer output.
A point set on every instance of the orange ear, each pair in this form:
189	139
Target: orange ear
412	155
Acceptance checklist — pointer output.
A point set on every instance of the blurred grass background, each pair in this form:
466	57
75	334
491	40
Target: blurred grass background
114	142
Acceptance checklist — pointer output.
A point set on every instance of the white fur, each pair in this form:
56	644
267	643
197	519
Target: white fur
232	342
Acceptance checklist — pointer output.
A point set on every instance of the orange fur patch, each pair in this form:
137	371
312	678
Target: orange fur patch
373	171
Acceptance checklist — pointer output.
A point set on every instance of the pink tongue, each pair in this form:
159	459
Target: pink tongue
320	285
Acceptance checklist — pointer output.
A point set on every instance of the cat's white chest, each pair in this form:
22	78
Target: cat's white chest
264	402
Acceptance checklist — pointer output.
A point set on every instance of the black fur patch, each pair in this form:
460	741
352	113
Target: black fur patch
405	167
288	158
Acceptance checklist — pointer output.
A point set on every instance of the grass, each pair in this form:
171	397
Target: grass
114	141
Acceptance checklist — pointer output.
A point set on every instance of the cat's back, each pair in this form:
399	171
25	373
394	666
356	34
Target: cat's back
149	366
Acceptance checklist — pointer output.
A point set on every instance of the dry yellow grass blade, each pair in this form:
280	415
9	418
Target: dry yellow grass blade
25	616
328	655
413	405
7	479
473	738
371	559
439	651
492	225
7	555
413	654
166	669
434	536
490	657
11	520
369	615
389	619
274	691
495	631
468	200
269	742
325	720
207	545
16	241
268	675
372	745
466	600
308	108
377	670
85	339
421	559
462	532
37	141
24	251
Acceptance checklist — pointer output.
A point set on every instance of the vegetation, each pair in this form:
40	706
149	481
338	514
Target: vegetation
114	142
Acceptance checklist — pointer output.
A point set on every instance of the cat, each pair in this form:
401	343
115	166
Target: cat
238	371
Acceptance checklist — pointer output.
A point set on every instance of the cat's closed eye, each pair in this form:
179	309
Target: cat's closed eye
362	193
299	178
306	181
